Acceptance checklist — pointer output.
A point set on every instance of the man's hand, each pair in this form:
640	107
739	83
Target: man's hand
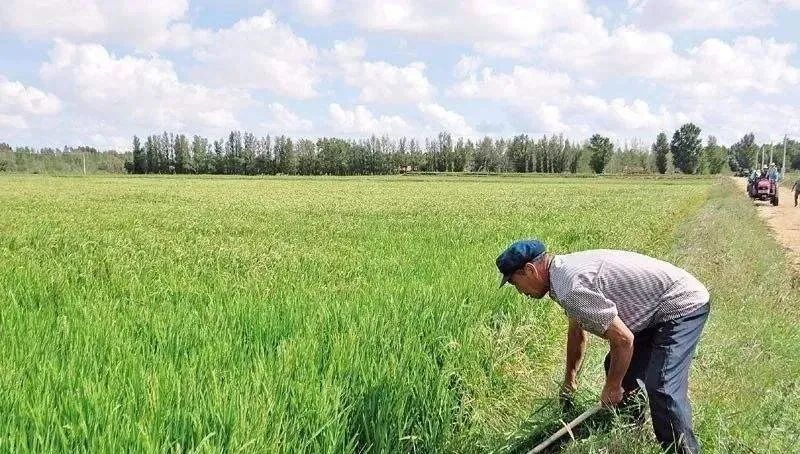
569	386
611	395
567	395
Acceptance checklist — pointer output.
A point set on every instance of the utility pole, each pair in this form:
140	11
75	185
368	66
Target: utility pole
84	163
783	167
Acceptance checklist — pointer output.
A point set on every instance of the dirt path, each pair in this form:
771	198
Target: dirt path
783	220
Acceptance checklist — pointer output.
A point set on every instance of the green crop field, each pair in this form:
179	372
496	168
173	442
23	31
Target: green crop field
349	314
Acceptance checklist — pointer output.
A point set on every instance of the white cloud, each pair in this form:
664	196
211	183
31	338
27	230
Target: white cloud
729	118
360	120
580	73
19	103
547	118
626	51
522	86
260	53
382	82
316	8
709	14
710	68
282	120
16	97
379	81
546	102
12	122
541	102
618	114
504	49
467	65
349	51
125	21
137	94
180	36
438	118
500	26
748	64
581	115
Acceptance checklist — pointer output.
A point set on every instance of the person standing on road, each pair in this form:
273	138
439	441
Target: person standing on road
796	189
651	312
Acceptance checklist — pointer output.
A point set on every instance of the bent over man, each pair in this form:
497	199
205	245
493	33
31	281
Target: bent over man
651	312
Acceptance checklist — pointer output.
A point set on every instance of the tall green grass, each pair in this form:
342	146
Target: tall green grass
291	315
745	380
747	376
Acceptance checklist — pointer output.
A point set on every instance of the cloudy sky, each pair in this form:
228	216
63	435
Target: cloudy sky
98	71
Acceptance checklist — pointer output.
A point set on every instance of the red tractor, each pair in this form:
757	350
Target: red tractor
763	189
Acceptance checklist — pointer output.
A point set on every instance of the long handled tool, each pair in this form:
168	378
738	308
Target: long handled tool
567	428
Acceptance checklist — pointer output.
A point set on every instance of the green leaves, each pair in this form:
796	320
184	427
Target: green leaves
601	150
686	148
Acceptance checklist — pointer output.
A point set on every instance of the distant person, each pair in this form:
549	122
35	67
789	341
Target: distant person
651	312
796	189
772	172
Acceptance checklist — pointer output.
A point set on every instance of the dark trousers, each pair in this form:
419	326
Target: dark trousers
795	197
661	358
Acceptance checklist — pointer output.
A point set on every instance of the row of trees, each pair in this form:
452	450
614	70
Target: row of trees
685	153
245	154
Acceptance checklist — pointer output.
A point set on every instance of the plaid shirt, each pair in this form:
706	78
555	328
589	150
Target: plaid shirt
595	286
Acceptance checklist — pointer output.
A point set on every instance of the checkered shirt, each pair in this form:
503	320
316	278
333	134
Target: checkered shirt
595	286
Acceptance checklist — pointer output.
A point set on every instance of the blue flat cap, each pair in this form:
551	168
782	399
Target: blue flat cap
517	255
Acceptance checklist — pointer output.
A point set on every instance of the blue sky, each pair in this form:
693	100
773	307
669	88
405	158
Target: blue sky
99	71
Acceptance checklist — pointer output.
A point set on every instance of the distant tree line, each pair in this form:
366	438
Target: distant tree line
67	160
242	153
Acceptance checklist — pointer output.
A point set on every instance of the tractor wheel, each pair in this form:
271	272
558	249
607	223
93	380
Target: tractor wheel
774	200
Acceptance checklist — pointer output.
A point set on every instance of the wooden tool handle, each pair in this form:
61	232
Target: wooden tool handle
541	446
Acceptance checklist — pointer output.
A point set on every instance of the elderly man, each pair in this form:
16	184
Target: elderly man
651	312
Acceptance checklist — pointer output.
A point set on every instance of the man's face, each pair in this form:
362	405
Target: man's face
531	281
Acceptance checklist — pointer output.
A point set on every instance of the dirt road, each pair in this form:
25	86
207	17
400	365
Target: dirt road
784	219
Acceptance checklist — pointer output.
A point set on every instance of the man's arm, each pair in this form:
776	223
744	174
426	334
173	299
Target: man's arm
576	347
620	338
